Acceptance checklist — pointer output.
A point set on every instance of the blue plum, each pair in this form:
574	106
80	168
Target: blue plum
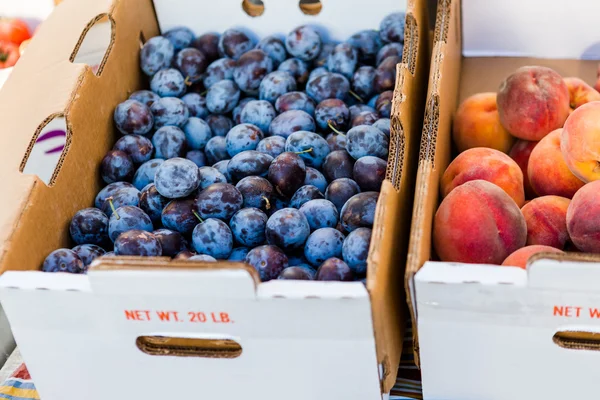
297	68
196	105
297	273
222	166
238	254
258	112
152	203
237	111
63	260
219	70
272	145
363	82
197	133
256	191
184	255
181	37
145	173
365	118
336	141
208	44
222	97
251	68
219	125
219	200
192	64
287	173
169	111
248	226
357	109
169	142
197	157
247	163
383	124
127	218
242	137
216	150
276	84
304	43
343	60
385	74
88	253
146	97
210	175
315	73
295	101
126	196
320	213
391	28
234	43
305	194
334	269
315	178
213	237
373	101
177	177
338	164
369	173
287	229
275	49
109	190
390	49
326	50
291	121
116	166
89	226
322	244
136	242
139	148
359	211
133	118
368	43
340	191
384	104
366	140
312	148
168	82
202	257
157	53
356	250
268	260
178	215
332	114
328	86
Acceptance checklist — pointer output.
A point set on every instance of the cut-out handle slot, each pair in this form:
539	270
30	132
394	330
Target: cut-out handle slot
95	43
310	7
577	340
188	347
254	8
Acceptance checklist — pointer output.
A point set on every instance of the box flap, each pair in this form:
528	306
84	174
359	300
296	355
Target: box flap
532	28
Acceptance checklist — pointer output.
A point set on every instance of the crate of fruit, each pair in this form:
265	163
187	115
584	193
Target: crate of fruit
225	209
502	276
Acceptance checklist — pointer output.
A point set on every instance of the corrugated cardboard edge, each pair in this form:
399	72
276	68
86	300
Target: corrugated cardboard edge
443	84
389	243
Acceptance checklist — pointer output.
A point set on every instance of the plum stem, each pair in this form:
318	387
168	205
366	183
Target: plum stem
304	151
204	93
268	203
330	124
197	216
357	97
112	206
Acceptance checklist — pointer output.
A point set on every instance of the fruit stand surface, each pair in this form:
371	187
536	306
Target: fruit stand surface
18	385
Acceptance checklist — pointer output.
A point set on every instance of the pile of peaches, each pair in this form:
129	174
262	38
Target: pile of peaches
527	176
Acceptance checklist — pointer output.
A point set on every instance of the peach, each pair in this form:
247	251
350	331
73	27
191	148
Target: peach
547	170
520	152
546	219
520	257
580	92
478	223
580	142
487	164
583	218
597	85
532	102
477	124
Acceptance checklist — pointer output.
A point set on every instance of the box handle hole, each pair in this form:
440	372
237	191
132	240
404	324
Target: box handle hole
311	7
577	340
94	44
188	347
254	8
47	149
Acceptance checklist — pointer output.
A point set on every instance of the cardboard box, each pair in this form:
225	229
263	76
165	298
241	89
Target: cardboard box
484	332
166	329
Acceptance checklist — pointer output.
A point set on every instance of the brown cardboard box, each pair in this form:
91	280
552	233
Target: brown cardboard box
35	216
453	77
